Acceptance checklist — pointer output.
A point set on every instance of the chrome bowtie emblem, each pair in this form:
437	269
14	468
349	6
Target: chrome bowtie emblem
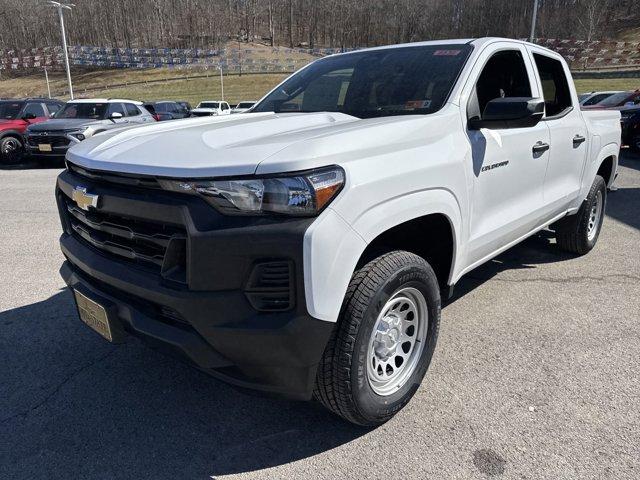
83	199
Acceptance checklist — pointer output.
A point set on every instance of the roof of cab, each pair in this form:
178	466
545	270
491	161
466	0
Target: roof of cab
476	42
104	100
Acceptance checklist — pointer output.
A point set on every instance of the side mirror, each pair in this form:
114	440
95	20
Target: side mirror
511	112
29	116
115	115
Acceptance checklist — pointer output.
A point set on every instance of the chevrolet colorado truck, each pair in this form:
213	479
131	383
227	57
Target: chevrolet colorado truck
303	249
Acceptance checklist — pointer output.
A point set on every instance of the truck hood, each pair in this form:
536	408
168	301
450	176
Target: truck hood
200	147
65	124
255	143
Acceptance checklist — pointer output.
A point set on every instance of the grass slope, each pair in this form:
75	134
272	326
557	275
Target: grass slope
236	88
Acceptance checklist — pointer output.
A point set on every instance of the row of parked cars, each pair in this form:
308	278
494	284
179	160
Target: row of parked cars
43	127
627	102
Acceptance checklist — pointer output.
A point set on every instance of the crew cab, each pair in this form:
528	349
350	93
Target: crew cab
81	119
15	116
303	249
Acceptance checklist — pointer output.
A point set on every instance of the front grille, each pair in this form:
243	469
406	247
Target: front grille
271	287
114	178
53	140
141	242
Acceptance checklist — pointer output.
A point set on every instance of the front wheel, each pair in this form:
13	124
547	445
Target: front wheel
384	340
579	233
10	150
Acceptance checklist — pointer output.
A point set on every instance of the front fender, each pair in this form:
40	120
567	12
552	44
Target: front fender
333	247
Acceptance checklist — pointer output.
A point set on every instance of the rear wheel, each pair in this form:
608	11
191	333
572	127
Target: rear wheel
579	233
634	144
10	150
384	340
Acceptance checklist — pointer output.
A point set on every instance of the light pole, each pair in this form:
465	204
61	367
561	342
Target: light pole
221	82
533	20
46	76
60	6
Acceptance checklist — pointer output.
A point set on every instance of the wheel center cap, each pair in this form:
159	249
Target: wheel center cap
386	340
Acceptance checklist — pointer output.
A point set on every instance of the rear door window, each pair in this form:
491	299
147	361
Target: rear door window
555	87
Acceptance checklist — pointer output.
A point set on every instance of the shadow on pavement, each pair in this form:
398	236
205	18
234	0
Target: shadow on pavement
74	406
32	164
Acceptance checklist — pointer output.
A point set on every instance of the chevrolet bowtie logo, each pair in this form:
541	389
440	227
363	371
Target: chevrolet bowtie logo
83	199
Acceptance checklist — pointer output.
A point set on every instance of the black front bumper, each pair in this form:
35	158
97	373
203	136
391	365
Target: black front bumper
212	311
59	145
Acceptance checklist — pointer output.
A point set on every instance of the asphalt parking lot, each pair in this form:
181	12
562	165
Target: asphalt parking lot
535	375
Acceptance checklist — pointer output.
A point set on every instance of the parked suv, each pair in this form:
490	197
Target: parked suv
15	116
306	254
630	123
166	110
211	107
79	120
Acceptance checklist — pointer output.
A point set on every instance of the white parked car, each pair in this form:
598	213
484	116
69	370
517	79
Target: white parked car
211	107
304	250
243	106
593	98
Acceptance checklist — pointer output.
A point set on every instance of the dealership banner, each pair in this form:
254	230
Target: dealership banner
579	54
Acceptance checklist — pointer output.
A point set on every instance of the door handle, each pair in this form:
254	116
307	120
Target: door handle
540	147
577	140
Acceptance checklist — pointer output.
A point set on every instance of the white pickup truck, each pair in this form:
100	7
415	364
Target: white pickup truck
302	249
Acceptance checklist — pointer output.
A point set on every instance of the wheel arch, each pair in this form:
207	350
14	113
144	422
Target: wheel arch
12	133
334	248
605	165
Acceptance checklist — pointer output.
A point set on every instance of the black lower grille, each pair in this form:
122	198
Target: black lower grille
142	242
53	140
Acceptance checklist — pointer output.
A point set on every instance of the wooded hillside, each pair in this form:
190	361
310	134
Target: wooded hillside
312	23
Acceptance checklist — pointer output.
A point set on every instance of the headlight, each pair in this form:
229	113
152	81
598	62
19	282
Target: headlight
79	136
304	194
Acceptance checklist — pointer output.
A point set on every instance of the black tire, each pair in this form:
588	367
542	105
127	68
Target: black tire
572	233
11	150
634	144
342	383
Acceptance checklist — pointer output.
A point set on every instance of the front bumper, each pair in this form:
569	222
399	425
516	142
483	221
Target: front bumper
59	144
210	314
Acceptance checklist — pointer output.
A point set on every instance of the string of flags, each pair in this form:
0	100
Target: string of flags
577	52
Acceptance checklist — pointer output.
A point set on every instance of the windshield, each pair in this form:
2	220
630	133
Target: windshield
10	110
94	111
614	100
376	83
597	99
209	105
246	104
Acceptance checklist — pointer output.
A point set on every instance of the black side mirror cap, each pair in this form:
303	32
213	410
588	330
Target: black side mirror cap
29	116
510	112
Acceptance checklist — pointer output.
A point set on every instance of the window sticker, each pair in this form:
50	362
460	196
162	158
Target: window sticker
446	53
416	104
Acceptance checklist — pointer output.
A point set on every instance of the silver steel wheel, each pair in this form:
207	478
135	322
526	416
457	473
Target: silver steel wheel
594	216
397	341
